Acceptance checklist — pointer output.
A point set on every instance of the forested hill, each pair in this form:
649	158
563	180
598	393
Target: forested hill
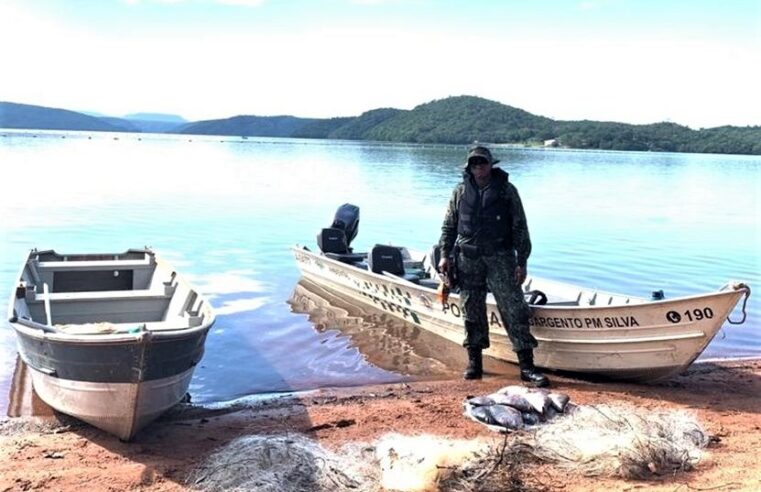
13	115
249	126
464	119
456	120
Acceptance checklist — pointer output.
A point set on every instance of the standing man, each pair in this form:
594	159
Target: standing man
485	226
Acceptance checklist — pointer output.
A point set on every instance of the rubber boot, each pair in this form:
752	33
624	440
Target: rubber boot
475	369
529	372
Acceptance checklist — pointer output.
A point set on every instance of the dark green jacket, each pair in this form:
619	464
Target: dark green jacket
521	242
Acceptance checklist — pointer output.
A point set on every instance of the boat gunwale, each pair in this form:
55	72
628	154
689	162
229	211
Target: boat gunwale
41	331
647	302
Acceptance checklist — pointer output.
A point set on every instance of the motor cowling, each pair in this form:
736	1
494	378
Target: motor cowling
347	220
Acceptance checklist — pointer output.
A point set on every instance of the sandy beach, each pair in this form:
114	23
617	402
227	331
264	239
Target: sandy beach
58	453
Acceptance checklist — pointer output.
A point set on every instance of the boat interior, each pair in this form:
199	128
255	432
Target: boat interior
421	268
96	293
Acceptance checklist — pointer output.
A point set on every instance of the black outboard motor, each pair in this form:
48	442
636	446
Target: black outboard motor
338	237
347	219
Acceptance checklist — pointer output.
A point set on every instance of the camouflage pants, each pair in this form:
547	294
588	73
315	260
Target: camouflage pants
496	271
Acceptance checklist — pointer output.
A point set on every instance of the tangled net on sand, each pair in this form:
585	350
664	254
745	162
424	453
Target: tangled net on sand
285	462
618	441
627	442
615	441
298	463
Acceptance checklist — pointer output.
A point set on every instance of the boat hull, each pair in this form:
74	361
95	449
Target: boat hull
116	385
121	409
640	341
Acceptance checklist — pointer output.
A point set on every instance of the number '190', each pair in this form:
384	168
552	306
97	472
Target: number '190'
698	314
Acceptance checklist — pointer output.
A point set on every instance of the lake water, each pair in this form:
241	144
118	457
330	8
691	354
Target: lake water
225	211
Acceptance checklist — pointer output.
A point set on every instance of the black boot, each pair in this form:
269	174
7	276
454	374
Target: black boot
528	371
475	369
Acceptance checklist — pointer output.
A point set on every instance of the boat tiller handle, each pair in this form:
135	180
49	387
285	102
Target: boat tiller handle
746	288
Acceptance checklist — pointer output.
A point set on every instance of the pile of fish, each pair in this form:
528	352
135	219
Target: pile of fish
516	407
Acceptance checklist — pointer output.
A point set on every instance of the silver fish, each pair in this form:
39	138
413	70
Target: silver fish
559	401
518	402
481	401
539	401
481	414
506	416
513	390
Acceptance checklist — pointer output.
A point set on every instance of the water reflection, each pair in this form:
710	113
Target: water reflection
22	399
383	340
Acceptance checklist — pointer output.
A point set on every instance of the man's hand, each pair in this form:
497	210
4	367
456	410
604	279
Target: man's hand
520	274
444	266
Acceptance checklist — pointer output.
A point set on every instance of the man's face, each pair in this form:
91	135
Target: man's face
480	168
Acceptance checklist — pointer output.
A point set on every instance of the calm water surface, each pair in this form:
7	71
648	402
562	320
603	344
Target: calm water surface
226	210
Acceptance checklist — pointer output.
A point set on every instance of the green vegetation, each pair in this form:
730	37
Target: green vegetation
248	126
464	119
454	120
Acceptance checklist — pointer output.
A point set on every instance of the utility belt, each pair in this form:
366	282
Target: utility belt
479	250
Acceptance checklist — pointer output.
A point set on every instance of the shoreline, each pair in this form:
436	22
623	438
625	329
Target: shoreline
64	454
227	137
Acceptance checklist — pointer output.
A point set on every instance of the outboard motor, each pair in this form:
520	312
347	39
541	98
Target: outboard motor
347	219
338	237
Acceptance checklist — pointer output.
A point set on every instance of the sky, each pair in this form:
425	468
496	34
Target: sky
693	62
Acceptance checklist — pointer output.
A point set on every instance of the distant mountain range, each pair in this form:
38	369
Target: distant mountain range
456	120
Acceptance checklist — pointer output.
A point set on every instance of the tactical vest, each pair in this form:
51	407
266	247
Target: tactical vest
485	217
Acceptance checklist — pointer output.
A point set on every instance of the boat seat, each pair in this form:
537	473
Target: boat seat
101	295
103	328
93	265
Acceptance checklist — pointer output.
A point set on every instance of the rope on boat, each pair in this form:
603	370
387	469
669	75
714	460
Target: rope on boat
746	288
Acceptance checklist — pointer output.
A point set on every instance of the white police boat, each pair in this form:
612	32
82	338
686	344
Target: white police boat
578	329
111	339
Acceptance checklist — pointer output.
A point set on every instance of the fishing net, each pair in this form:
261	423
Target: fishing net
615	441
297	463
279	463
622	441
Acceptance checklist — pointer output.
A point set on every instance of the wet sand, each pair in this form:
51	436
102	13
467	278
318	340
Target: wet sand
59	453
